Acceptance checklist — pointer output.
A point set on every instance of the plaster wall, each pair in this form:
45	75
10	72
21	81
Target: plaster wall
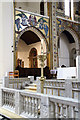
64	52
29	6
6	37
24	49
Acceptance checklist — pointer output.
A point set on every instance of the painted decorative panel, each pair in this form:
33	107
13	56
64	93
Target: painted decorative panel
24	19
62	24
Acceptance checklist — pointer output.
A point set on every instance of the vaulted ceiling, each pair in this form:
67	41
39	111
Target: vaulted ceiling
30	37
69	36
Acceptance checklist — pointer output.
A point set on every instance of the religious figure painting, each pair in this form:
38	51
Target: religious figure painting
17	22
32	20
23	18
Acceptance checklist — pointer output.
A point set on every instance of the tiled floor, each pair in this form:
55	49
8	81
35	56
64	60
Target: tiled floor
8	115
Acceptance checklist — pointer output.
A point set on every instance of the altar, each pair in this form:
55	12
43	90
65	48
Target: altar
67	72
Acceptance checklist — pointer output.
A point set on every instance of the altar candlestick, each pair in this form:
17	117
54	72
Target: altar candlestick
41	46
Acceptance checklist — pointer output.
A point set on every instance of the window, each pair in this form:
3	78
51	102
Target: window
67	9
42	8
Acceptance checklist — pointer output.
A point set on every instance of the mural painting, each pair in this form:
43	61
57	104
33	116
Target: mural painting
62	24
26	19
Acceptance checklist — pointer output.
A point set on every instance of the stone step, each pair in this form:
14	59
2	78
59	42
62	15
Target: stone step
31	88
33	85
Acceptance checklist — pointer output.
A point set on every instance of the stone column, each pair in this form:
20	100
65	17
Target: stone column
6	37
78	67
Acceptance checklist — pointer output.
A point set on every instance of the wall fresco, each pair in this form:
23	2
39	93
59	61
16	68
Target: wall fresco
62	24
27	19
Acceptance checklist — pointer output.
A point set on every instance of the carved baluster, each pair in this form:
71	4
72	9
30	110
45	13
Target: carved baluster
12	100
72	111
6	98
30	105
65	112
56	110
76	112
3	96
24	101
34	107
9	99
26	105
61	110
37	107
39	104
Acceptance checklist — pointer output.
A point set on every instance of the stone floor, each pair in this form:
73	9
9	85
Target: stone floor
8	115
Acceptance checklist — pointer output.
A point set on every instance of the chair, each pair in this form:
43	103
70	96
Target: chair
11	74
16	73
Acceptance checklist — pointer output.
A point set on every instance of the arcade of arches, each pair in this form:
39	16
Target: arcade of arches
29	47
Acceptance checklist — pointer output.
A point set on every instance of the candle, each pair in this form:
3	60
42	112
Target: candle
41	46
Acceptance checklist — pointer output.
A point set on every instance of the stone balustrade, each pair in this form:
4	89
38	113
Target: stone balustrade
54	87
76	89
8	98
37	105
15	83
65	88
65	107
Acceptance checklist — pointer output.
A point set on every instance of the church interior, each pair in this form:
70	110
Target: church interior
40	59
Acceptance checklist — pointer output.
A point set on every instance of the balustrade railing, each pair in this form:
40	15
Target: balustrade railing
16	83
30	104
75	89
65	88
65	107
36	105
54	87
8	98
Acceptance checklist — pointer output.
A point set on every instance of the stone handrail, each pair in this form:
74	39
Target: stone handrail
37	105
65	107
65	88
76	89
15	83
54	87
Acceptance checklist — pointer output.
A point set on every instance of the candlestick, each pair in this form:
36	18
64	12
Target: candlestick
41	46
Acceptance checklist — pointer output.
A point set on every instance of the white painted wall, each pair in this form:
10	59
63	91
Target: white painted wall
64	52
6	37
24	49
32	6
29	6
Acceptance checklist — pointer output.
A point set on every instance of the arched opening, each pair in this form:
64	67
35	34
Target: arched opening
73	57
33	58
66	44
29	47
